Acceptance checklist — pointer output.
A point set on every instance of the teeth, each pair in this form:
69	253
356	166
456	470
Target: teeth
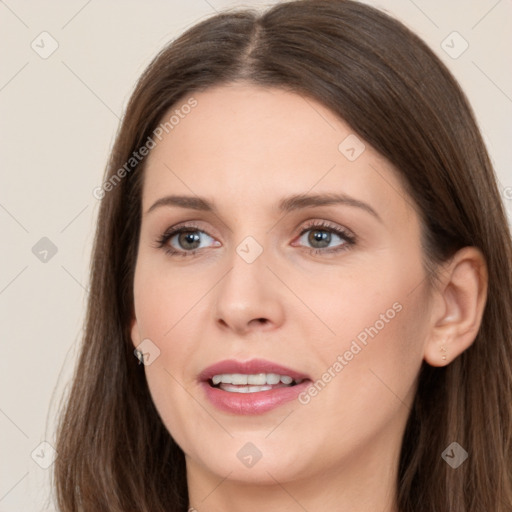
258	379
236	378
244	389
273	378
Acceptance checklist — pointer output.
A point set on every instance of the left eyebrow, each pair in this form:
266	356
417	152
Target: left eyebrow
299	201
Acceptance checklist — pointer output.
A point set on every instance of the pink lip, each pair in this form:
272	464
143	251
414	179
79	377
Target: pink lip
251	403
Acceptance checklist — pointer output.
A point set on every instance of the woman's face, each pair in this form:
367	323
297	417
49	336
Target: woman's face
301	260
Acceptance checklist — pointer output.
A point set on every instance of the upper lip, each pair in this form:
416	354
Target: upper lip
251	367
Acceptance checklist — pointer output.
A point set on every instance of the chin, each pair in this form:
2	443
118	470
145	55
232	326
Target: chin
262	473
257	462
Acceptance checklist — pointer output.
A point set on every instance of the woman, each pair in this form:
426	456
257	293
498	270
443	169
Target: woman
302	242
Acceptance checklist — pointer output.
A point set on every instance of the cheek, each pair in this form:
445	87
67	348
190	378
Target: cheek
164	299
370	373
371	364
169	308
371	305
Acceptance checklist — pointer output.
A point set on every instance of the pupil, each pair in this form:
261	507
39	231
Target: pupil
321	237
189	240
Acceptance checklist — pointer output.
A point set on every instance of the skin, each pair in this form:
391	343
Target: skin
245	148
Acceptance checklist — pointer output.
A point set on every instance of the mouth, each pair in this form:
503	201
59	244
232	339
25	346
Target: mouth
251	387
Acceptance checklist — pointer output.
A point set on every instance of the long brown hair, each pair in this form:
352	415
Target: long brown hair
115	454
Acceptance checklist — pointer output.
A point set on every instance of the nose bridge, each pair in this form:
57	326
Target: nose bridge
248	272
248	291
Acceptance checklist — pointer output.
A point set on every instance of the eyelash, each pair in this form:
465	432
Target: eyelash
346	235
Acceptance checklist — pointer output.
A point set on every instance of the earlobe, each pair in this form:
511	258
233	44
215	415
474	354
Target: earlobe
459	302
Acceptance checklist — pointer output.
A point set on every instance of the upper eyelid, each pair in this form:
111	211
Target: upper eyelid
325	224
186	225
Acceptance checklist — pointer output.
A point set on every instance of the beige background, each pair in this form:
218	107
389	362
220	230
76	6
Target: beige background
58	119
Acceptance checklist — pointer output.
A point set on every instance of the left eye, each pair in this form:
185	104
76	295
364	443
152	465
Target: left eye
324	238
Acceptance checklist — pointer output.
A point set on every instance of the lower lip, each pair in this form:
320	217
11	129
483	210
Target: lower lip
252	403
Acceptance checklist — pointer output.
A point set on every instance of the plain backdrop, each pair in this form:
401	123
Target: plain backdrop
59	113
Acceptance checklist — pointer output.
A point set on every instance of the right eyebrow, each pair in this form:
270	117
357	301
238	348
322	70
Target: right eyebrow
190	202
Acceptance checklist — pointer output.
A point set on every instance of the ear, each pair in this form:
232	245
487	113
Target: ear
459	298
134	332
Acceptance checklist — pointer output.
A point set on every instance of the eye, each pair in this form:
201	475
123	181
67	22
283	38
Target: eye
185	240
323	237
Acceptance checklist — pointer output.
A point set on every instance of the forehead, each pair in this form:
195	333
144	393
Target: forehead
254	145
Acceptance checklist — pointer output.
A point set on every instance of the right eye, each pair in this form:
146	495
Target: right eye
185	240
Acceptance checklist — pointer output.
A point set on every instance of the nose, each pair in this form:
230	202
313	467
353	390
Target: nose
249	297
